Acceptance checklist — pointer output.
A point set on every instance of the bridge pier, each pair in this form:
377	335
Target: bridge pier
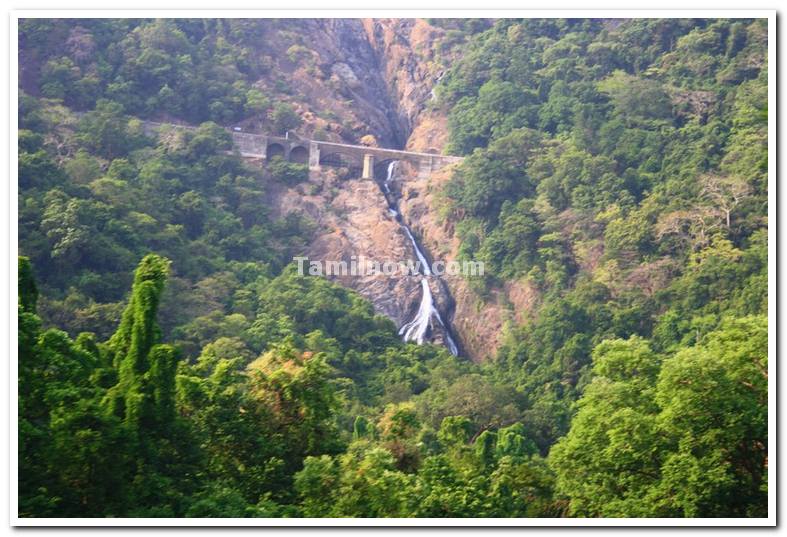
368	167
425	168
314	160
314	156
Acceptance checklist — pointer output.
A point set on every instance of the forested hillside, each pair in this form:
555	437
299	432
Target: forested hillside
173	363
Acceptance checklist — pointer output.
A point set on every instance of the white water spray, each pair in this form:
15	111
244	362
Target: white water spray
418	252
416	329
389	176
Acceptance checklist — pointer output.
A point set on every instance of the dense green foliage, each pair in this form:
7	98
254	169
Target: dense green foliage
198	70
681	437
124	427
620	170
615	168
88	214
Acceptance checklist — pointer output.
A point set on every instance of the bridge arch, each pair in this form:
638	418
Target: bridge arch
274	150
349	161
381	168
299	154
341	159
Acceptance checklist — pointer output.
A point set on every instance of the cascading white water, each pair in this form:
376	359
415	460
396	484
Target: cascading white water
421	258
391	170
449	341
417	329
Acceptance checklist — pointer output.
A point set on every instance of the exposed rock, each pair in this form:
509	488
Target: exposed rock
337	87
406	50
384	73
346	74
354	225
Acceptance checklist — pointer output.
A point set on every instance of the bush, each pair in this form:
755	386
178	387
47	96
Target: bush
288	173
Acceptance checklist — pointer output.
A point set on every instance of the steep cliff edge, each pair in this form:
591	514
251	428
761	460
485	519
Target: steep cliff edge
405	49
330	73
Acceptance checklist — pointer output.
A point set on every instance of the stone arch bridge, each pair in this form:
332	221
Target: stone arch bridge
318	153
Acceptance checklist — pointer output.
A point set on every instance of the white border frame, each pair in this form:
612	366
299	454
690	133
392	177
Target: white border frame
393	522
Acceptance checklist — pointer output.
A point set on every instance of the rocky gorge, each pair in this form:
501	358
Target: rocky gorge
377	77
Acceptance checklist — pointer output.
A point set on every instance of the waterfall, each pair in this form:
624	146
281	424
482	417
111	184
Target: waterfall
417	328
418	252
391	170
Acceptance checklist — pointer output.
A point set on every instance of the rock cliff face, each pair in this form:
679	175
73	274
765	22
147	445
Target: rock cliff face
407	52
374	79
405	49
355	225
329	70
353	222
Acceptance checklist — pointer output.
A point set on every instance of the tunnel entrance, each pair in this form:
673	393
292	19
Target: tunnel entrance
299	155
274	150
